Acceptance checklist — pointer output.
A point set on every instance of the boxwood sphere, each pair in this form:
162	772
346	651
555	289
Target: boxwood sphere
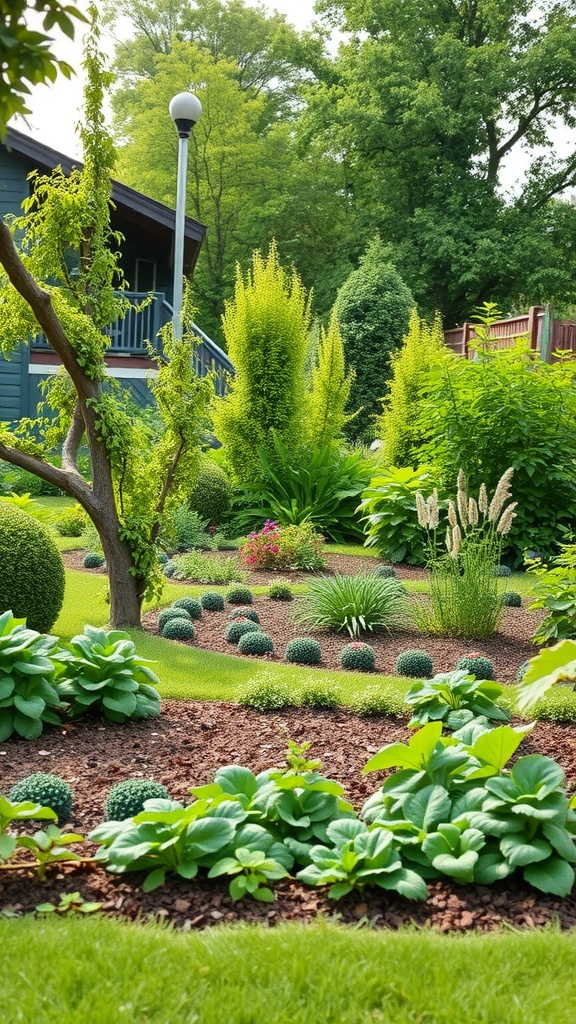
47	790
172	613
93	560
511	599
189	604
238	627
415	664
31	570
255	642
178	629
212	601
358	655
388	572
477	665
244	613
280	592
239	595
126	799
303	651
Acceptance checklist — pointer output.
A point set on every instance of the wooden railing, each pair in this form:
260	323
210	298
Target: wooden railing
544	334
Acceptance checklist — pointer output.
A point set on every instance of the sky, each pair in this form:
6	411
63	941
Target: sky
56	108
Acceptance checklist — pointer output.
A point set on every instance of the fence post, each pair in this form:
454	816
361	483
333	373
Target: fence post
465	339
533	326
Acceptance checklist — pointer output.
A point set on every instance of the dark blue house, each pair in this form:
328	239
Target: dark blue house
147	263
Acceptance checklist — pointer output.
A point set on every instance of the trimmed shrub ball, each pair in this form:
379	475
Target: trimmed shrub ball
212	601
46	790
162	557
415	664
190	605
31	570
358	656
212	493
303	651
178	629
511	599
280	592
234	630
255	642
93	560
387	571
172	613
244	613
126	799
169	568
503	570
477	665
239	595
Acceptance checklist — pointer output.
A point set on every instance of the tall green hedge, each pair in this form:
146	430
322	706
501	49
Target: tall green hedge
31	570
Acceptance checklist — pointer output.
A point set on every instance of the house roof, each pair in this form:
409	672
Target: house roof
133	210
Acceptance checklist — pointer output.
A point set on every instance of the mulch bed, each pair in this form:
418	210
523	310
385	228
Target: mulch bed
191	739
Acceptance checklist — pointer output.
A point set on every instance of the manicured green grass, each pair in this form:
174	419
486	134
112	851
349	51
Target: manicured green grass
350	549
92	971
56	503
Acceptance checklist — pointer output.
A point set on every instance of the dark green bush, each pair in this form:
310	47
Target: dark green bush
504	571
387	571
511	599
212	601
477	665
303	651
415	664
234	630
212	493
358	655
244	613
126	799
93	560
190	605
280	592
162	557
46	790
172	613
255	643
179	629
239	595
31	570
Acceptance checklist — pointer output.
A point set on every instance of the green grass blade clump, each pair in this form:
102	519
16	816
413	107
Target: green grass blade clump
354	603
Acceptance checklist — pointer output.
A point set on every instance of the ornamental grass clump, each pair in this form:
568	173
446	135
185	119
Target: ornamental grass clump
464	596
354	603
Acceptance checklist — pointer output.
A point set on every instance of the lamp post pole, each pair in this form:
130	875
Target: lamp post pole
185	111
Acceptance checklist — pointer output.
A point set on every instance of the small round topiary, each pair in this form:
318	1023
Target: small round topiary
178	629
169	568
172	613
93	560
255	642
503	570
162	558
190	605
358	655
511	599
234	630
280	592
244	613
126	799
303	651
31	570
212	601
46	790
415	664
212	492
387	571
477	665
239	595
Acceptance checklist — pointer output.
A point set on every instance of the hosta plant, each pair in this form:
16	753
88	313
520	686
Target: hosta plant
454	698
254	859
555	591
354	603
17	812
28	692
104	674
387	507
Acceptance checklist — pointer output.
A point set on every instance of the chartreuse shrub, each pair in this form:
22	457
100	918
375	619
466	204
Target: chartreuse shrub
31	570
378	699
414	663
71	522
266	692
127	798
330	392
47	790
551	667
354	603
455	698
206	568
104	674
320	694
29	693
211	494
387	510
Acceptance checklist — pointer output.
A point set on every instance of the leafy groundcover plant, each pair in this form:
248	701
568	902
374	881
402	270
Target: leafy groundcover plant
455	698
354	603
29	696
555	591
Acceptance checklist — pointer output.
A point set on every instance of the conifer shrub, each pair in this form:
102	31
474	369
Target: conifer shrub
169	568
388	572
244	613
172	613
511	599
303	651
189	604
126	799
234	630
93	560
359	656
239	595
415	664
162	557
31	570
212	601
46	790
503	570
477	665
256	642
179	629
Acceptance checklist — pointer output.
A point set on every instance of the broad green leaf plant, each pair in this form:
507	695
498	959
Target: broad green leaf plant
455	698
29	695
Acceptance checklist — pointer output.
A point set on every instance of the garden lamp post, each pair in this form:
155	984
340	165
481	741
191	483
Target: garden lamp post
185	111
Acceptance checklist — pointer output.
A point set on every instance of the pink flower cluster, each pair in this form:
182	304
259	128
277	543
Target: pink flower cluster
261	550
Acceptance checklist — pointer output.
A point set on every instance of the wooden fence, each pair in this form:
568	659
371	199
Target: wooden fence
545	334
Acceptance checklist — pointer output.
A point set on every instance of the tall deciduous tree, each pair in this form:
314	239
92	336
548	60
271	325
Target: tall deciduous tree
132	478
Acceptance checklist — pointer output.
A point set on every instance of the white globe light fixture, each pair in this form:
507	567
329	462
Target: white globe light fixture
185	111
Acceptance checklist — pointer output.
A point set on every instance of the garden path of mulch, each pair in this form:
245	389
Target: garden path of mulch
183	748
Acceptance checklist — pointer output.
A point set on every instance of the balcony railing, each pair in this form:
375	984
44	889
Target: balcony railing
131	334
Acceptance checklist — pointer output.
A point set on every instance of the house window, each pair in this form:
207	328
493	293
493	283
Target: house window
145	276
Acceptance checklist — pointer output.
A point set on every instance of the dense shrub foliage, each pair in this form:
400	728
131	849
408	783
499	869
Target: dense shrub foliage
31	570
47	790
388	509
212	493
127	798
288	547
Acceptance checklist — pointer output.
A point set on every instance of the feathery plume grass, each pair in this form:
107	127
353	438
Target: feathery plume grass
501	495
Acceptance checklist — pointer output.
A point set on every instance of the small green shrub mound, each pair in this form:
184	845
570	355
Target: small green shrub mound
179	629
477	665
189	604
387	571
503	570
93	560
162	557
244	613
172	613
169	568
71	522
415	664
126	799
234	630
358	656
303	651
212	601
265	693
320	695
255	643
31	570
239	595
511	598
46	790
377	700
280	592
